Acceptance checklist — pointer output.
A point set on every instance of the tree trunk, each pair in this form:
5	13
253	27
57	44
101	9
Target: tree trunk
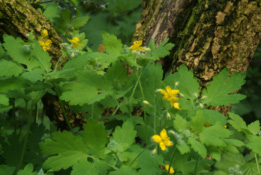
209	35
18	18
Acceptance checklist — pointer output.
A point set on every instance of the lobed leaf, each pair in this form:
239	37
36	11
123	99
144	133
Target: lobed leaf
220	89
64	149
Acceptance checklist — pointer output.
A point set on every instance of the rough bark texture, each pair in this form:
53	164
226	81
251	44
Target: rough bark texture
18	18
209	35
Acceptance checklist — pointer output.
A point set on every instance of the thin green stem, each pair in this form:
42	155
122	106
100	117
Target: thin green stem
25	139
257	165
57	64
132	93
196	166
117	108
92	110
144	113
140	154
172	158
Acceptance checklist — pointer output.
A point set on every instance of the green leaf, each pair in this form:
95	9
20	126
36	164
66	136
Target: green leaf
197	122
4	100
218	91
15	49
149	164
214	117
78	22
162	50
183	147
229	160
84	167
7	170
180	123
113	46
214	135
34	75
65	150
250	169
123	137
42	57
255	144
95	135
188	84
126	170
198	147
52	12
237	122
254	127
28	170
9	68
88	88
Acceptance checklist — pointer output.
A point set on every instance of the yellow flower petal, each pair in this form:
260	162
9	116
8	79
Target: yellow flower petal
156	138
176	106
171	171
168	143
163	134
44	33
162	146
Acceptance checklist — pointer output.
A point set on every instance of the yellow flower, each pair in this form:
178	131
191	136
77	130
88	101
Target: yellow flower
169	94
171	171
163	140
46	44
44	33
175	105
225	127
136	46
146	102
75	42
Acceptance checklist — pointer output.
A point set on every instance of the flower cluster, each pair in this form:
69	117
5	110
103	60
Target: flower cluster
171	96
137	46
44	41
75	42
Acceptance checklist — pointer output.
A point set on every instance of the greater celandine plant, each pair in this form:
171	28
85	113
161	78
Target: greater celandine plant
156	126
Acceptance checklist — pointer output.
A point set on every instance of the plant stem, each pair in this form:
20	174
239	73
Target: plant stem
26	139
196	166
171	160
140	154
132	93
143	98
257	165
114	112
57	65
92	110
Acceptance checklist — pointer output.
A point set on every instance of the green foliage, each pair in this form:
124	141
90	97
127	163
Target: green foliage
126	115
218	95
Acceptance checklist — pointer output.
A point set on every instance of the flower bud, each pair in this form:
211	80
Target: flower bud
146	102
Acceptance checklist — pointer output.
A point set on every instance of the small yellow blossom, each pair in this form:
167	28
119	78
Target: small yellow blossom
146	102
75	42
175	105
171	96
46	44
44	33
136	46
225	127
171	171
154	151
163	139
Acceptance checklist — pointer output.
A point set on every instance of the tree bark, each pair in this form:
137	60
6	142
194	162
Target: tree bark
208	35
18	18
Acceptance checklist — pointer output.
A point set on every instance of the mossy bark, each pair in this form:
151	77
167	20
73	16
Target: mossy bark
18	18
209	34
